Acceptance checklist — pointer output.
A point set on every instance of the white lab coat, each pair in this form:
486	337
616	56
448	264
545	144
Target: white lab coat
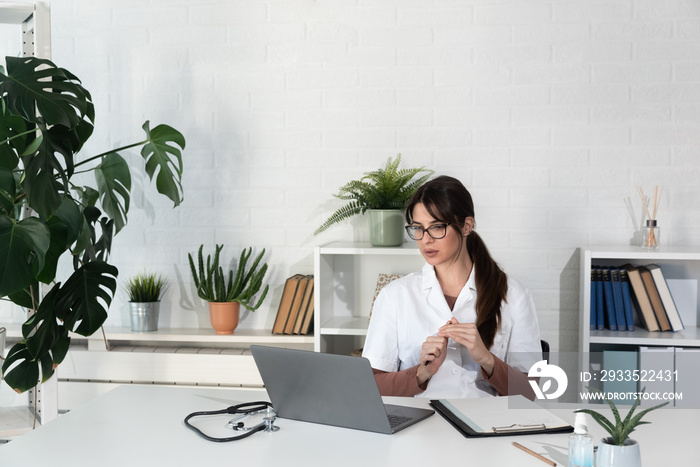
411	308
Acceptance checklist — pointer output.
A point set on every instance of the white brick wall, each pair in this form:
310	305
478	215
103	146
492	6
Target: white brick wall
551	112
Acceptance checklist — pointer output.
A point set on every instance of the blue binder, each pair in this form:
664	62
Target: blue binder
600	299
610	317
617	298
627	299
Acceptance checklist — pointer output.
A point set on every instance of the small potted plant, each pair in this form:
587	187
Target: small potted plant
385	194
145	291
226	292
619	450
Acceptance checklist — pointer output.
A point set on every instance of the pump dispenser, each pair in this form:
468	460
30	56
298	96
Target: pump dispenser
580	444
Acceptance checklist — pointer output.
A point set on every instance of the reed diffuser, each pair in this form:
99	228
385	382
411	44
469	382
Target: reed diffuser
651	230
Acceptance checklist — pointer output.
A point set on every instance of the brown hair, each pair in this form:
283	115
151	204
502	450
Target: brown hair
447	200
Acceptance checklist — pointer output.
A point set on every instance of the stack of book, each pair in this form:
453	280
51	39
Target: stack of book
296	310
620	293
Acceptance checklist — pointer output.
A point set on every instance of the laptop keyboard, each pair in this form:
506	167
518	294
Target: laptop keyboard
396	420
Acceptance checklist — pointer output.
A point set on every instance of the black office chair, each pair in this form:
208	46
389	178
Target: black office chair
545	350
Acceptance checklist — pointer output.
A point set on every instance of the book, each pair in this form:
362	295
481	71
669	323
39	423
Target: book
674	318
308	322
304	309
600	300
655	299
593	301
610	314
626	300
641	299
288	294
295	308
685	296
617	299
499	416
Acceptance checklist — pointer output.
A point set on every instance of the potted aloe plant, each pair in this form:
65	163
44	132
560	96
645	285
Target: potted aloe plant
384	194
49	210
226	292
145	291
618	450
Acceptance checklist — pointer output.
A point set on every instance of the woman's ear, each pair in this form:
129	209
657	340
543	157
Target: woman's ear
468	226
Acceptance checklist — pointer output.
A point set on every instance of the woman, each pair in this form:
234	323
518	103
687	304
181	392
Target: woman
460	327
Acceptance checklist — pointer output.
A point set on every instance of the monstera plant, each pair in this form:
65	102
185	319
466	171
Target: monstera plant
49	210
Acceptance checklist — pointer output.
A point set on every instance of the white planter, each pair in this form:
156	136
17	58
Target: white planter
610	455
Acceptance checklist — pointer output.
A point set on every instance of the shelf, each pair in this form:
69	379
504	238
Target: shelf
689	337
203	336
346	281
345	326
15	421
630	252
361	248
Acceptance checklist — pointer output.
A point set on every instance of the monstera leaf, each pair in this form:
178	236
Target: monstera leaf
86	296
40	92
114	184
23	246
162	155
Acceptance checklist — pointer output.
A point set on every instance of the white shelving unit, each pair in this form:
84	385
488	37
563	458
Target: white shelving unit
34	27
185	357
675	262
345	280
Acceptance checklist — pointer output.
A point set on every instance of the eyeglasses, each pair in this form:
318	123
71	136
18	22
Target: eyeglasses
436	231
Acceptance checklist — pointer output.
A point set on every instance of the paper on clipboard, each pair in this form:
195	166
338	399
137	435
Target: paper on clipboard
495	416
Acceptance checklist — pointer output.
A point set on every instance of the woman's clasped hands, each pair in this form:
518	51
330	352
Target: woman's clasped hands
434	349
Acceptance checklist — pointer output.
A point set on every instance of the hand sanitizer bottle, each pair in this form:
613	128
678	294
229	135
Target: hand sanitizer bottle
580	444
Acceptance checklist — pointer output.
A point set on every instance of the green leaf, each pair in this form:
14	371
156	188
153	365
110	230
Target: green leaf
23	298
114	184
46	178
37	85
162	155
20	370
86	296
23	246
8	189
11	126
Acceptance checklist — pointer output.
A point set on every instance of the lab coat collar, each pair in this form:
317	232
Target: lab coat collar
430	278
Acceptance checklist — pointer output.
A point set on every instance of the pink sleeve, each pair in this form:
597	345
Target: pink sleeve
508	381
398	383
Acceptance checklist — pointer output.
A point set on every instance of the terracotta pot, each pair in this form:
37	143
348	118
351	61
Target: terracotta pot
224	316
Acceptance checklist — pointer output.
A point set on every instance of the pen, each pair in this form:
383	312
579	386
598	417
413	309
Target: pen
533	453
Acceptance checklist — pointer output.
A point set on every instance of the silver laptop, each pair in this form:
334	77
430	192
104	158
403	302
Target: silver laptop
330	389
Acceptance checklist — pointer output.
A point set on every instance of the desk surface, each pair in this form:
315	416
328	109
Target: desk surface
133	425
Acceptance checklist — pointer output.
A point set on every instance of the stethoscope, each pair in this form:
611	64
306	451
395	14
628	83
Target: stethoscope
246	409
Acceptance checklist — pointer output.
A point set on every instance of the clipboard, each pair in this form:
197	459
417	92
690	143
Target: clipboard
499	416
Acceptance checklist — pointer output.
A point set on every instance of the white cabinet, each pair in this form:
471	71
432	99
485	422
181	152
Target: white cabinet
677	263
345	279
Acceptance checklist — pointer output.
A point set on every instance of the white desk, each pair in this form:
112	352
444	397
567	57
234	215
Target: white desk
143	425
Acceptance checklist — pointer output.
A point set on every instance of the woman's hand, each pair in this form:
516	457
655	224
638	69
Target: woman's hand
432	355
468	335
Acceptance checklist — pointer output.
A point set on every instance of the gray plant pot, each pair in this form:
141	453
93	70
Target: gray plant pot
144	316
386	227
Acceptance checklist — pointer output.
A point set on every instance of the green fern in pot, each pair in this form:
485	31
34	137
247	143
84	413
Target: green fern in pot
387	188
